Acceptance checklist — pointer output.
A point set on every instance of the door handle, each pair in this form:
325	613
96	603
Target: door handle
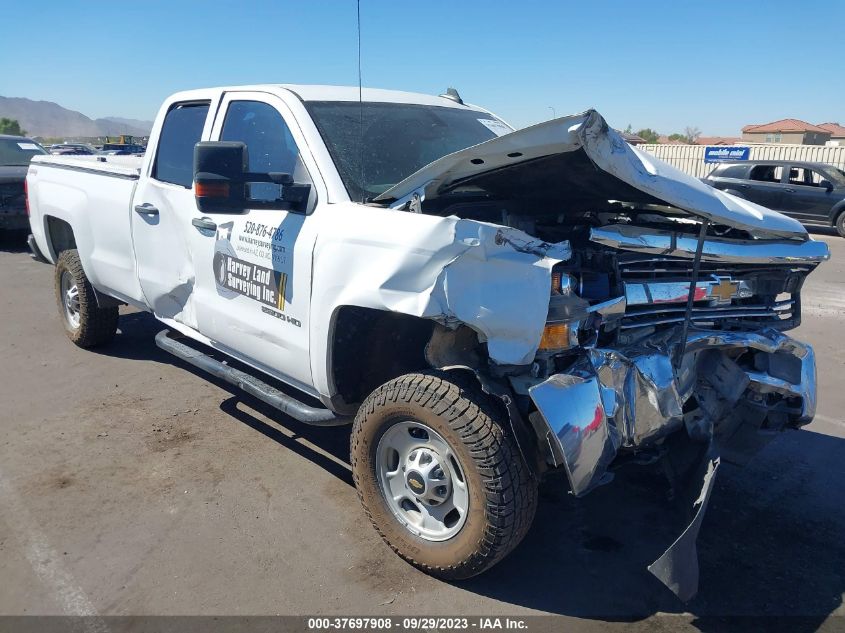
146	209
744	186
204	223
789	190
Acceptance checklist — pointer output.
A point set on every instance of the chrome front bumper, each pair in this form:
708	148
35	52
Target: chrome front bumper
625	399
614	400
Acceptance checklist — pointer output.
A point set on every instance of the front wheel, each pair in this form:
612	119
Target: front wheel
86	324
440	475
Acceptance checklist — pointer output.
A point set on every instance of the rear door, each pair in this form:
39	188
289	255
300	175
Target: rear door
765	186
162	210
804	198
253	270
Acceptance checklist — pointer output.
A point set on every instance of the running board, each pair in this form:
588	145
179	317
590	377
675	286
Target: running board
250	384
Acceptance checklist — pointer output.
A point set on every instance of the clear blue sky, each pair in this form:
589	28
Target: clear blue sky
663	64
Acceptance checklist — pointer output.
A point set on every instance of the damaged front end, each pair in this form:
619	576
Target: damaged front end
667	307
663	346
729	387
674	339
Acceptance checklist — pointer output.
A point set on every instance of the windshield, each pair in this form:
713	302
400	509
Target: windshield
18	151
398	139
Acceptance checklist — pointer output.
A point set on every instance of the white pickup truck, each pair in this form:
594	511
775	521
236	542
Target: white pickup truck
487	307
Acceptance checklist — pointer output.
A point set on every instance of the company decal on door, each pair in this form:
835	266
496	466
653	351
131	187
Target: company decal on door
259	283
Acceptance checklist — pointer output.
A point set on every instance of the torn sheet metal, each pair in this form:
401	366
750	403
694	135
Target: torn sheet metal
609	152
677	567
500	288
494	279
581	441
632	397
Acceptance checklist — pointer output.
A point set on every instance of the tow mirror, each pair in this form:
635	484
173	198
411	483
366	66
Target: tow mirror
219	170
826	184
223	182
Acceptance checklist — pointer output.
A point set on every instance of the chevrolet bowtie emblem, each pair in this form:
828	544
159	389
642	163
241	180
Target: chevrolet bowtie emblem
725	290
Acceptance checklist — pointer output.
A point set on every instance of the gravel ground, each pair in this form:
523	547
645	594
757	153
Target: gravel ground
130	484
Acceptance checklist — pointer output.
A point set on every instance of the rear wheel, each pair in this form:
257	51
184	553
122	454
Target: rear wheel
840	224
86	324
440	475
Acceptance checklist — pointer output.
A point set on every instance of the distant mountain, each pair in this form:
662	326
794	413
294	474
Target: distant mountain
45	118
117	125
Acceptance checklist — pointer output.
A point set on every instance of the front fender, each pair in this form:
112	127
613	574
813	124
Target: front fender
493	279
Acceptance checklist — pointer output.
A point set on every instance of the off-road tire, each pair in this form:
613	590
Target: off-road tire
840	223
502	490
97	326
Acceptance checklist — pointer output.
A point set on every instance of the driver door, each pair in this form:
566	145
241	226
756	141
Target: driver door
253	269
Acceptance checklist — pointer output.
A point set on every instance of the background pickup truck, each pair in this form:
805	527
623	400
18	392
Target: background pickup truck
15	154
488	307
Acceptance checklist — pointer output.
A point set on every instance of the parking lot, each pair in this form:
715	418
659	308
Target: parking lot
131	484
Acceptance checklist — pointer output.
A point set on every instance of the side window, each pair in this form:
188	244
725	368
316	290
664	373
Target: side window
797	176
816	178
269	143
181	130
732	171
805	177
766	173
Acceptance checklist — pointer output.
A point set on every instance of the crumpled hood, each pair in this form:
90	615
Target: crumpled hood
523	163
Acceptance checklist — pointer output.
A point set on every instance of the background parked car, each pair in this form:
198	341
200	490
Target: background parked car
813	193
15	154
123	149
71	149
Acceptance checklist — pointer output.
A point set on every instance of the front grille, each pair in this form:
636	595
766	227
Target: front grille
648	268
777	314
763	294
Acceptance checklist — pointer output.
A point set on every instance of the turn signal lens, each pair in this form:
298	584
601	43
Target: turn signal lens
212	189
555	336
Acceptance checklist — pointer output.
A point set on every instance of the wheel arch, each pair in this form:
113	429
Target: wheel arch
408	344
360	357
61	237
836	211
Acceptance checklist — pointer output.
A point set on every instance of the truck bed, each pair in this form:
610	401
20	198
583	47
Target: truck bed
120	166
91	196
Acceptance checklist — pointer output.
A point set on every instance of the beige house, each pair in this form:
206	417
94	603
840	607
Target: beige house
717	140
793	131
837	132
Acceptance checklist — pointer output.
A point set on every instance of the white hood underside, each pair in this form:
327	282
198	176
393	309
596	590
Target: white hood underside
609	152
